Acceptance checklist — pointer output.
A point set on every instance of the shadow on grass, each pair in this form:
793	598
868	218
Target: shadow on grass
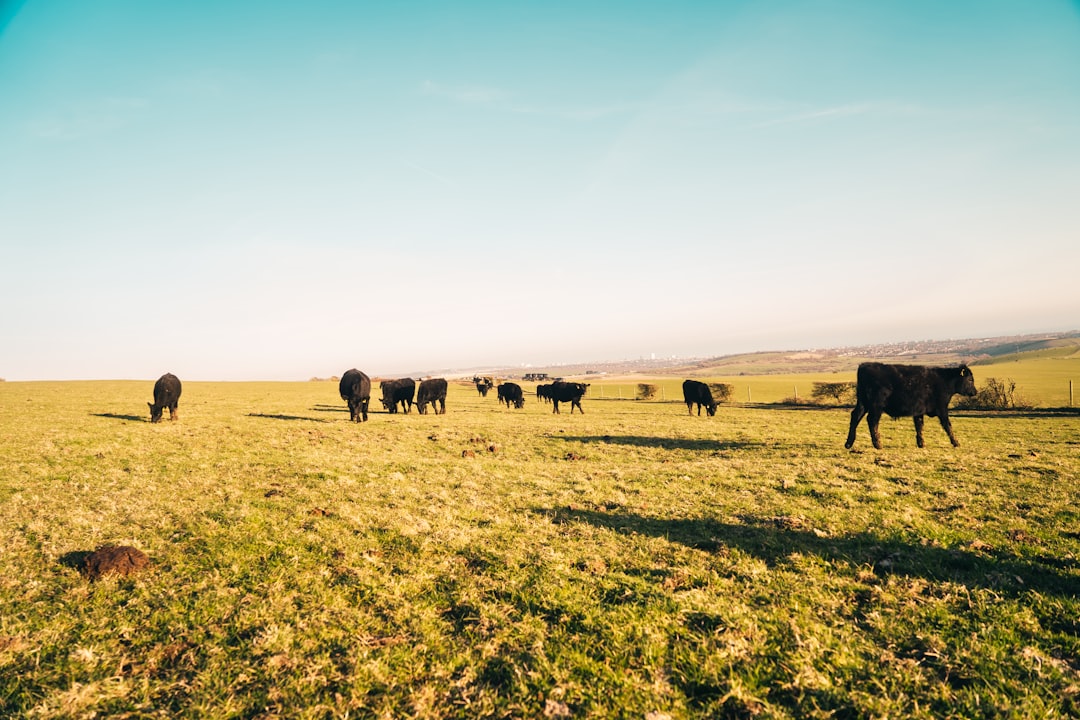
774	539
286	417
114	416
665	443
75	560
331	408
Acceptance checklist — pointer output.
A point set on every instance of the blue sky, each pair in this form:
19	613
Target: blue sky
250	190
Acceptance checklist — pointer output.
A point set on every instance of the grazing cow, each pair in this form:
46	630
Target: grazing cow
430	391
355	389
570	392
510	393
695	392
543	392
398	391
166	395
483	384
907	391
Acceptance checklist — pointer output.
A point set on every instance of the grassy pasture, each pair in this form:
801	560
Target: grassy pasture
630	562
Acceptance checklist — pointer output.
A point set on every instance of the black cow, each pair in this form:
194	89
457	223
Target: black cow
398	391
355	389
571	392
510	393
430	391
907	391
543	392
166	395
483	384
695	392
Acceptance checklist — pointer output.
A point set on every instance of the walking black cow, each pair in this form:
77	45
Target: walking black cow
398	391
510	393
571	392
166	395
907	391
699	393
430	391
355	389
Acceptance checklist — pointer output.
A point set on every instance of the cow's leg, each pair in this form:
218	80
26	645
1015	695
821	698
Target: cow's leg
172	412
918	430
857	414
364	408
555	404
690	408
946	425
873	417
579	408
442	407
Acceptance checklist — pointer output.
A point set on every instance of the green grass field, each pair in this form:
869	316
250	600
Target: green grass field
630	562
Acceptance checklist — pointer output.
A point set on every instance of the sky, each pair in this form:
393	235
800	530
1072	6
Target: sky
278	191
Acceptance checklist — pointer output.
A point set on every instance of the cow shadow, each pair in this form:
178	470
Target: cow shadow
344	409
774	539
663	443
270	416
115	416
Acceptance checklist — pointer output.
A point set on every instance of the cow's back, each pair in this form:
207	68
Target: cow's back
167	389
354	385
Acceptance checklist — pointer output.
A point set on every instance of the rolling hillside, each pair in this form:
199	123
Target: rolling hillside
974	351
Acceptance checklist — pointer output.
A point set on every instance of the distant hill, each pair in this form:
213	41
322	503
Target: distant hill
974	351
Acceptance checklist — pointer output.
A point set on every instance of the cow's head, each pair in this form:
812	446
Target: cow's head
155	412
711	409
967	382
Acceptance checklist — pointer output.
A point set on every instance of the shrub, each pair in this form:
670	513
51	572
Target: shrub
994	395
645	391
721	392
842	393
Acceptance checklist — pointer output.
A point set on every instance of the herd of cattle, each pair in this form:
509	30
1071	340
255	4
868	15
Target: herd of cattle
913	391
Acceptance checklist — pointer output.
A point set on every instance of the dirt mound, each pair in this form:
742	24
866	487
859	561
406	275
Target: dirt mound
118	559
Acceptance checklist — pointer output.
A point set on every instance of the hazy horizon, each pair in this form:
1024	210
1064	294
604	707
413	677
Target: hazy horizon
278	191
418	372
